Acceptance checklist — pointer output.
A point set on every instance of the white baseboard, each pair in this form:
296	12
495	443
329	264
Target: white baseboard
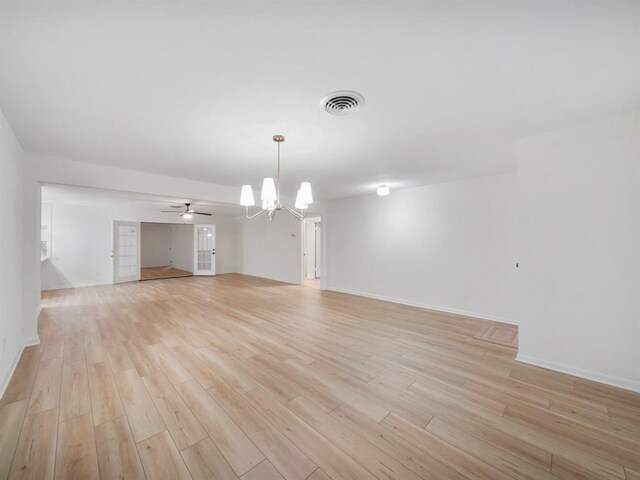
77	285
582	373
7	379
296	282
30	342
437	308
27	343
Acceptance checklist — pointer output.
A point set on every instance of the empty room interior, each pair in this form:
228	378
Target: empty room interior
293	240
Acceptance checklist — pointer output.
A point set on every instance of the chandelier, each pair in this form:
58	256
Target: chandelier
270	194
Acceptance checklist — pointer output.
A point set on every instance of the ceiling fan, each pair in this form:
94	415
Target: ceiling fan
188	211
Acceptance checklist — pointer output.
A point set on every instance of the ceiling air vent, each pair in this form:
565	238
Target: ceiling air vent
343	102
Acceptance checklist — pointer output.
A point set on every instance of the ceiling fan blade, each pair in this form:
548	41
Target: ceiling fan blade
168	211
202	213
176	206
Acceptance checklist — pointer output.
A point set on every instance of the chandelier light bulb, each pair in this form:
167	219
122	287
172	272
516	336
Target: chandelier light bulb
383	190
268	190
300	204
246	196
307	196
187	216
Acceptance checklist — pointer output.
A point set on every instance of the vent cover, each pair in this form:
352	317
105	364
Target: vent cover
343	102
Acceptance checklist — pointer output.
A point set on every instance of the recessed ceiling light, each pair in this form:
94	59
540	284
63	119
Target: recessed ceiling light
383	190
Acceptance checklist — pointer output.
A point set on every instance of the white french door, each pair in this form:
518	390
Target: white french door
126	251
204	250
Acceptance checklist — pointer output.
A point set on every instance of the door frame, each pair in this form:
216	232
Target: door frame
115	252
317	244
321	219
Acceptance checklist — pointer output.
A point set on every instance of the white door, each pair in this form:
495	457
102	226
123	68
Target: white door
204	261
126	251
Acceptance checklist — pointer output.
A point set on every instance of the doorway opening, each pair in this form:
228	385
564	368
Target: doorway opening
166	250
151	251
312	252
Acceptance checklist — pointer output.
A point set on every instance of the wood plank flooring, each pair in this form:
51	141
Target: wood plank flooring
312	282
506	335
235	377
154	273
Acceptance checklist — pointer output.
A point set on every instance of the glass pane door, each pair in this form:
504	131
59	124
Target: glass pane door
126	251
204	250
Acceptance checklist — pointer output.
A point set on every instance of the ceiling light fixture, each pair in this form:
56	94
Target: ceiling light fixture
270	194
383	190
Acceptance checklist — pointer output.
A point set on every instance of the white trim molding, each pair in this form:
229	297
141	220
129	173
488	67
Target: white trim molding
437	308
7	379
30	342
624	383
78	285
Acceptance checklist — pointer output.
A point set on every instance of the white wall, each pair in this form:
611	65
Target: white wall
228	245
12	335
450	246
271	249
579	217
82	242
181	244
155	242
31	204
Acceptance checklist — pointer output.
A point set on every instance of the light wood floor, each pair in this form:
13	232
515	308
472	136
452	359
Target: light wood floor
153	273
312	282
499	333
233	376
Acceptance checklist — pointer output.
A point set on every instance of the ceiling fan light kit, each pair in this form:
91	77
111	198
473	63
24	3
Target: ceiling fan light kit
270	195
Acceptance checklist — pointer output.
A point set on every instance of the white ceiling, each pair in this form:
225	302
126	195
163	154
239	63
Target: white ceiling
197	89
99	197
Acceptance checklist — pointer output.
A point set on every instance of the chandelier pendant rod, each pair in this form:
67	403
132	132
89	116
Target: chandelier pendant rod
278	179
